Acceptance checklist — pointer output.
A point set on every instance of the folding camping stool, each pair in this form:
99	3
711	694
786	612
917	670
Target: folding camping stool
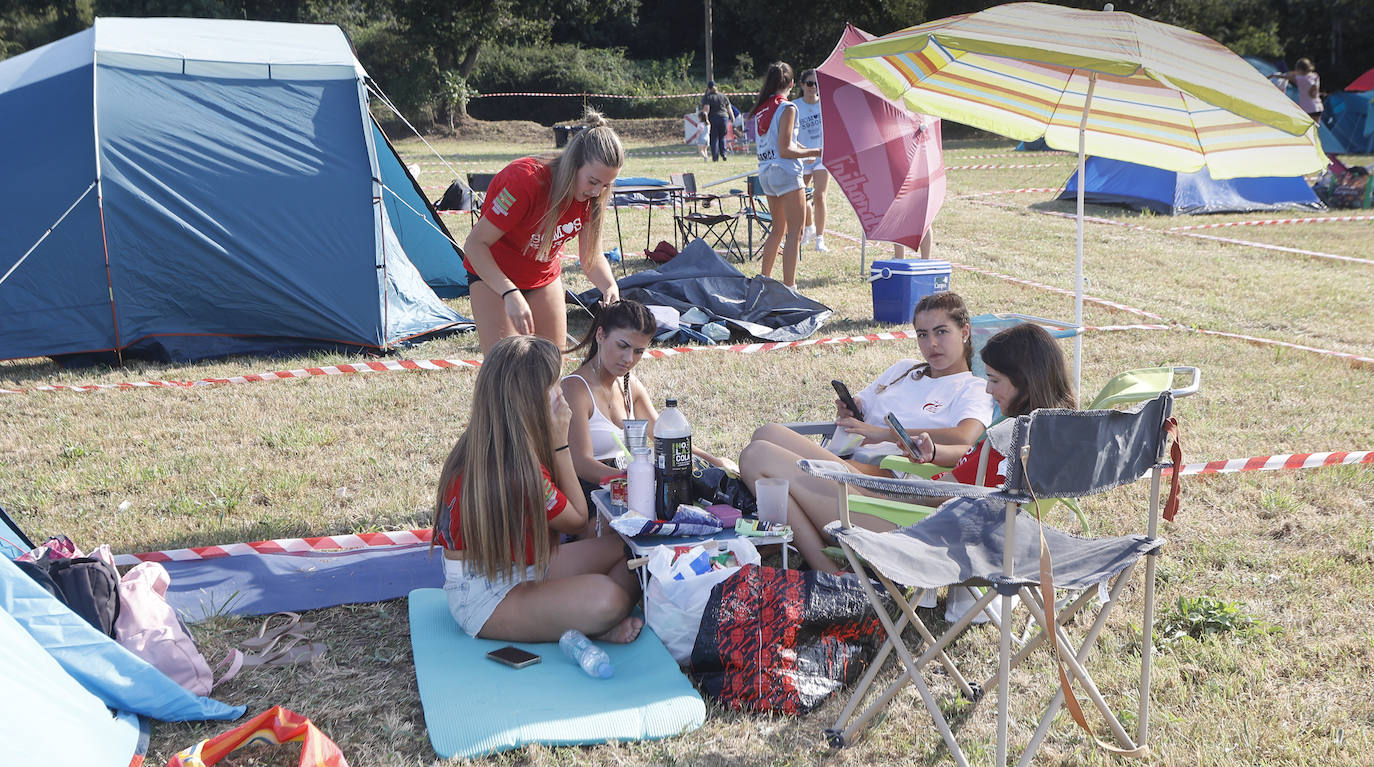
985	538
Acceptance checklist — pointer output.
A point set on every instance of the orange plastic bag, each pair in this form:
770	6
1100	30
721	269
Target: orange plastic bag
276	725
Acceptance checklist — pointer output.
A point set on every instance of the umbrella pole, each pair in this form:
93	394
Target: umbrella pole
1078	258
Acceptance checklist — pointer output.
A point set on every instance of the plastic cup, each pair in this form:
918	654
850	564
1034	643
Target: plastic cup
771	494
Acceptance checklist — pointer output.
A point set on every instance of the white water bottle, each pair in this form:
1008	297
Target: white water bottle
672	461
591	658
640	477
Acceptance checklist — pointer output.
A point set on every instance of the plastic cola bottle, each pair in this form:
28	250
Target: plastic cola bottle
591	658
640	477
673	461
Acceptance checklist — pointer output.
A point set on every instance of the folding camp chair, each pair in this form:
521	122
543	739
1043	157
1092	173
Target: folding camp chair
718	228
754	209
479	182
983	538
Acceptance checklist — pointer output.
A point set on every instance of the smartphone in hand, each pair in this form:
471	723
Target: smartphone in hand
904	437
513	657
845	397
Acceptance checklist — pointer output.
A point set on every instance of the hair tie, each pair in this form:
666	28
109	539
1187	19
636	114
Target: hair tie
508	292
565	447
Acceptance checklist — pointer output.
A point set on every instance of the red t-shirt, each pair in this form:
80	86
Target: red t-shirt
966	470
516	201
450	528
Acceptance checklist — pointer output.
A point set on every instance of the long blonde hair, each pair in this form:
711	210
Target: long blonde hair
499	460
595	143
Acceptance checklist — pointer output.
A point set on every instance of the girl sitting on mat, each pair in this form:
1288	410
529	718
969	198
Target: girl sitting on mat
940	397
509	486
602	393
531	208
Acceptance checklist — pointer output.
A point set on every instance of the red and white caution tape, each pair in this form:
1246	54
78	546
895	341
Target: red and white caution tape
1004	167
422	537
1277	462
281	546
370	366
1271	221
1027	190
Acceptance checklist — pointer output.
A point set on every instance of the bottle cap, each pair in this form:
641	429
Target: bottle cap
604	671
672	402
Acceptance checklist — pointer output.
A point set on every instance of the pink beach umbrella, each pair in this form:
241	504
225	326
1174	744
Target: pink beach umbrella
886	159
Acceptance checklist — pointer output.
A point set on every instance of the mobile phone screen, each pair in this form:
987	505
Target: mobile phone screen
513	656
842	392
902	435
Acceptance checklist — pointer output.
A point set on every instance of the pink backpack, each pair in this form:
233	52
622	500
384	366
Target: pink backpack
151	629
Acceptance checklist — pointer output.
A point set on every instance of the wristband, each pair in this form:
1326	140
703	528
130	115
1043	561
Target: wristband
565	447
508	292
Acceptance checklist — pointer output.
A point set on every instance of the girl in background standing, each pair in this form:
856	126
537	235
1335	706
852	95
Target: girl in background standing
815	175
780	170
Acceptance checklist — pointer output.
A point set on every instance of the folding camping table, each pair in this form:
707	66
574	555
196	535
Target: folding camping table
643	546
675	196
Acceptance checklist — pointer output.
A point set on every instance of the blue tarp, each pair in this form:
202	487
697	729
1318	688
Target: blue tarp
236	210
1141	187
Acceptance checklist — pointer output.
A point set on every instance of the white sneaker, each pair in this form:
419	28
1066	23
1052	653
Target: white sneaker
808	234
820	245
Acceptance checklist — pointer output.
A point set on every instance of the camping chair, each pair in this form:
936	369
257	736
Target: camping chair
754	209
983	538
478	183
719	229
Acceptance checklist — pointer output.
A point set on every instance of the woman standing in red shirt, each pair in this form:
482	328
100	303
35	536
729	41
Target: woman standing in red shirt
532	207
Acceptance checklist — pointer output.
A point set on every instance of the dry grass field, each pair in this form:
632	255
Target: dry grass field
1276	678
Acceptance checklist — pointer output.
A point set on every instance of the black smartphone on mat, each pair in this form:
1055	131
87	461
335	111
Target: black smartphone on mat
903	436
514	657
843	392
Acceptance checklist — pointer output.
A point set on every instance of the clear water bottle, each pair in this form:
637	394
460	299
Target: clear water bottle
673	461
591	658
640	477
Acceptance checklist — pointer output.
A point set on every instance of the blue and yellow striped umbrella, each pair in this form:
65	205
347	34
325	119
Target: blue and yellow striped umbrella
1154	94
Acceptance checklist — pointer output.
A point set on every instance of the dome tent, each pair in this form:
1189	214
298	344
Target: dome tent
1113	182
190	188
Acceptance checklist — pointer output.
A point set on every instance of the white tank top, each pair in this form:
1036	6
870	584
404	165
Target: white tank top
768	141
604	432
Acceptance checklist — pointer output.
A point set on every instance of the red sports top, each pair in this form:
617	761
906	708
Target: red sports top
516	201
966	470
450	528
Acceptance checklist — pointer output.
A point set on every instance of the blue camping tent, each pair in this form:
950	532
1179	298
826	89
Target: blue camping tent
1350	116
1112	182
189	188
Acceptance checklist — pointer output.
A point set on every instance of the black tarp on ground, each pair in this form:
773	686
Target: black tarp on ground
760	307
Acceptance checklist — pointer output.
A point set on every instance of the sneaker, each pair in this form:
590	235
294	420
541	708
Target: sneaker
808	234
820	245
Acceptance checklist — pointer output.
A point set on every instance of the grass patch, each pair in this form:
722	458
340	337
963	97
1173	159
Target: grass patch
361	453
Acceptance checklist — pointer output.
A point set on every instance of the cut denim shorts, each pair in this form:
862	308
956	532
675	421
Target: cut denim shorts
777	180
473	598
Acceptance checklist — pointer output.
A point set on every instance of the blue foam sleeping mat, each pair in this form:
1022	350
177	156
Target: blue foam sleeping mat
474	706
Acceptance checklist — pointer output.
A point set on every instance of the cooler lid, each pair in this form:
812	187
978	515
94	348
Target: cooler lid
907	266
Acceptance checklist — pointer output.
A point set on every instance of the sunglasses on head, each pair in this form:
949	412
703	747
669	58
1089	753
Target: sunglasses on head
811	83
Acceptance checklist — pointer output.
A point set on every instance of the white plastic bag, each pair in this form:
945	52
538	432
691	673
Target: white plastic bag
676	597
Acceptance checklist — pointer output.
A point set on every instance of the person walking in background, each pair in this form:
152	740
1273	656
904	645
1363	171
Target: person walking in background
814	174
718	113
1309	84
780	170
532	207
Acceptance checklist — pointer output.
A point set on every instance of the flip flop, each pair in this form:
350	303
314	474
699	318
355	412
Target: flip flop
268	634
285	650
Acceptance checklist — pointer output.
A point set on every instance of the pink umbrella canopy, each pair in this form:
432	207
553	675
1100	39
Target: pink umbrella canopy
887	159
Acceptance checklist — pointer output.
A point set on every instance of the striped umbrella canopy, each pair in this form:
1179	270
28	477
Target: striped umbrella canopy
1104	83
1160	95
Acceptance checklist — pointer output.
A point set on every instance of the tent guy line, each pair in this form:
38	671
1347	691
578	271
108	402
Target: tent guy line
413	538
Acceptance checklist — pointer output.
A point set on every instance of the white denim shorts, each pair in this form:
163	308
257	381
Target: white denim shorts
777	180
473	598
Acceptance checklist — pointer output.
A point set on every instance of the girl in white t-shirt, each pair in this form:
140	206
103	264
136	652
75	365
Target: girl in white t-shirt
939	397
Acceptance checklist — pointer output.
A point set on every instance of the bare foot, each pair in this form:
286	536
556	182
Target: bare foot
623	632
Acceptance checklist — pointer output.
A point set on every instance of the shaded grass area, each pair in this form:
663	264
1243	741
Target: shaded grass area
360	453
